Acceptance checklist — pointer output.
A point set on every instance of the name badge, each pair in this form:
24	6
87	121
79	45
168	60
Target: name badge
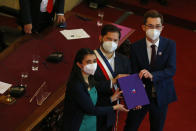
159	53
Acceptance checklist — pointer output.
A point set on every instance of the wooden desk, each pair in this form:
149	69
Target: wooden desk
23	115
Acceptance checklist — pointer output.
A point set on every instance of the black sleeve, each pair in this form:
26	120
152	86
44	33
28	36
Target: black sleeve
128	66
103	86
123	64
25	12
85	103
60	6
133	59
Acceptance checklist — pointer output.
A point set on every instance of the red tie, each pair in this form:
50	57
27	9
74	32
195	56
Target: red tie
50	6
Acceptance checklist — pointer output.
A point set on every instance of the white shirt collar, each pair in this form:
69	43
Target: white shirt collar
113	56
148	43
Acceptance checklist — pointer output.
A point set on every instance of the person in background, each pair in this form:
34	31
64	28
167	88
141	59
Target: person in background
36	15
80	106
154	58
162	2
2	42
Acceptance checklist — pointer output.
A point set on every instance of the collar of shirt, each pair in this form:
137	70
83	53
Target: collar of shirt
113	56
149	49
110	60
148	43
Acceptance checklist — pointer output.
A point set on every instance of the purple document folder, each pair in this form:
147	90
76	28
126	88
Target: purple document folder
133	91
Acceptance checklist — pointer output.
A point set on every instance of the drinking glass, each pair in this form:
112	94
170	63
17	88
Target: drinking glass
23	79
35	63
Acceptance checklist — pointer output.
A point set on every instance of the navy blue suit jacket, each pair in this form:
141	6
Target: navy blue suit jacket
163	70
78	103
122	66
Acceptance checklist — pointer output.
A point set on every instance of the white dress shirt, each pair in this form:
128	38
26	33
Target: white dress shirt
149	48
43	5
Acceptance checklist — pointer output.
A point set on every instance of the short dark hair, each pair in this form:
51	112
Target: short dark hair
110	28
152	14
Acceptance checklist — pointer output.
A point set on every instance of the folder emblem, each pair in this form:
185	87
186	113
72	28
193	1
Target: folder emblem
133	91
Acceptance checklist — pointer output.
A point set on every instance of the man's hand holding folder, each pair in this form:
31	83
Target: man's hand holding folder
146	74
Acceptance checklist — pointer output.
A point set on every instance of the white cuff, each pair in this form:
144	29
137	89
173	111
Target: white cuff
59	14
111	86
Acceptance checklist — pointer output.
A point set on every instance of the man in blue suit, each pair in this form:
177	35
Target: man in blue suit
154	58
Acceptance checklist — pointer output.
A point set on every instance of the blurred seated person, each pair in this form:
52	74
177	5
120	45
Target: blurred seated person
36	15
81	97
162	2
2	42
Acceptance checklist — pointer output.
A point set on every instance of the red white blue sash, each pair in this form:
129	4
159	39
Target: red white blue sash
104	65
108	73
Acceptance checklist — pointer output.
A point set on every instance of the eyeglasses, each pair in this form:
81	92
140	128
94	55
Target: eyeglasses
154	27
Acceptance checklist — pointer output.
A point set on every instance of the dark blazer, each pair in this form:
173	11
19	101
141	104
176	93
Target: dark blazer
163	70
122	66
78	103
30	10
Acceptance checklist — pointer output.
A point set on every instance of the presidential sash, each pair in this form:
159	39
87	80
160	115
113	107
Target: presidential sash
104	65
108	73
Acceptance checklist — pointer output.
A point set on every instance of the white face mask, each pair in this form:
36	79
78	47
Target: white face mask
153	33
90	68
109	46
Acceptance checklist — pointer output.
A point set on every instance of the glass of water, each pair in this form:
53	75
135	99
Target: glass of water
99	23
100	18
101	15
23	79
35	63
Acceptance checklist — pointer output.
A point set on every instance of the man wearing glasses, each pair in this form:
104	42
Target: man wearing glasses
154	58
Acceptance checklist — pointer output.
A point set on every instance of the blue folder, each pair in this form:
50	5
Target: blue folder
133	91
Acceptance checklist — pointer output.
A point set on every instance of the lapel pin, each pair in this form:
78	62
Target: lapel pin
159	53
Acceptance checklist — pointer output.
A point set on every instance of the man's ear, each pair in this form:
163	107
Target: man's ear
79	65
143	28
162	28
100	38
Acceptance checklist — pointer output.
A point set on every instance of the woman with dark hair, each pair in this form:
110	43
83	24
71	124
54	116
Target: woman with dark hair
80	108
